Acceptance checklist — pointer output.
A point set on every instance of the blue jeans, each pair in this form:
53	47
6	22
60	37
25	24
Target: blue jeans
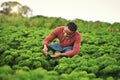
56	47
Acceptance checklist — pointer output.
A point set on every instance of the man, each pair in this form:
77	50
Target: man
69	41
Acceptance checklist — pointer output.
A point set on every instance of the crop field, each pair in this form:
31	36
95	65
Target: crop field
21	56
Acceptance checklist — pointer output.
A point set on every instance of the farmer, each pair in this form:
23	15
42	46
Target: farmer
69	41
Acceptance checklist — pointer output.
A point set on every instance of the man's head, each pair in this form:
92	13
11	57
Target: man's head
72	26
70	29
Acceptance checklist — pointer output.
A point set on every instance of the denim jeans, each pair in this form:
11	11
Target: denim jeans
56	47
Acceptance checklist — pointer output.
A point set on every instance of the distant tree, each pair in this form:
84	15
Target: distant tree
26	11
15	9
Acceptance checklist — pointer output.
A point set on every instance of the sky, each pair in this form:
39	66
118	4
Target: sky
88	10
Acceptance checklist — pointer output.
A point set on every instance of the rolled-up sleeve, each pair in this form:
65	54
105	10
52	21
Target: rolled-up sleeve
50	37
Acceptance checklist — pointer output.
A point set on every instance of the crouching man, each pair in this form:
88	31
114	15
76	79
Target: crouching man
69	41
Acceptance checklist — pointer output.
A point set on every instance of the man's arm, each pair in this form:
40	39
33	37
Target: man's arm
76	47
50	38
47	40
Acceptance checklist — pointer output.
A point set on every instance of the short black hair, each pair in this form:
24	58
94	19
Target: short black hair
72	26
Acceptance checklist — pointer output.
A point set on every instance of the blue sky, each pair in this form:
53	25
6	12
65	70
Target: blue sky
89	10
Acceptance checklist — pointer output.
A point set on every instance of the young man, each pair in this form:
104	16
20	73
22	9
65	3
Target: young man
69	41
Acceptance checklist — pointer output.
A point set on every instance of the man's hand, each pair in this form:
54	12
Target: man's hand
56	55
45	50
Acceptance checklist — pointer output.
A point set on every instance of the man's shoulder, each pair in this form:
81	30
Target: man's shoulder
78	34
59	28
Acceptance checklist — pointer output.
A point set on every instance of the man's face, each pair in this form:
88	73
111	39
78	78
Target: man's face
68	32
